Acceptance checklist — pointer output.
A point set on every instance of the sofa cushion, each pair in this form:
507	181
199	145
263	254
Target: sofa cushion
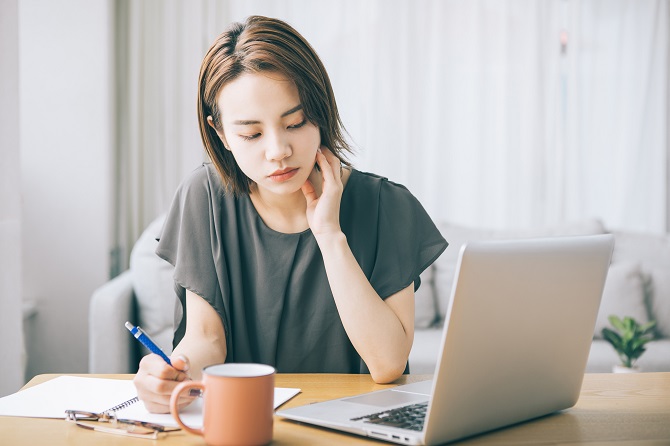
660	300
652	252
623	296
457	236
425	350
154	288
425	306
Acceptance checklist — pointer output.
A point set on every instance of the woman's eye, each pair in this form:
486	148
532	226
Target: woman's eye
298	125
250	137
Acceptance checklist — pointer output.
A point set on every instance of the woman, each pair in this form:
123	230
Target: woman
283	253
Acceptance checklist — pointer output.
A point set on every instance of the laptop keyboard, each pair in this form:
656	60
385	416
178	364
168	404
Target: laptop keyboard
407	417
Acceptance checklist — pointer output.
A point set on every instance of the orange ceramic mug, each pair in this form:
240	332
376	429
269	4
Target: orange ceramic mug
238	404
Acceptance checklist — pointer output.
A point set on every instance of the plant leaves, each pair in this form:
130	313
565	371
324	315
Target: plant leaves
613	338
616	322
629	339
648	327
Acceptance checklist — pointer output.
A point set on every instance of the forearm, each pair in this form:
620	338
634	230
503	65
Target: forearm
375	330
201	352
204	342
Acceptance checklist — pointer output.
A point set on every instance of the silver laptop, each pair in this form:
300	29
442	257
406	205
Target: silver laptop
514	346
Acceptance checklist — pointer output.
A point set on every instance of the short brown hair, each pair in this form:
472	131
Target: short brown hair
265	44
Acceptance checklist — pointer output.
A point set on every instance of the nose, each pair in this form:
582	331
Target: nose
278	147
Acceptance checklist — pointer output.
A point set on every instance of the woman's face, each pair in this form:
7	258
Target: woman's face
265	128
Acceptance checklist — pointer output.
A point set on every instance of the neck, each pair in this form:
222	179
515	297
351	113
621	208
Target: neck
286	205
282	213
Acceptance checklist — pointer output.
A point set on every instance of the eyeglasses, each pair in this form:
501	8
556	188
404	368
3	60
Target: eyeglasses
107	422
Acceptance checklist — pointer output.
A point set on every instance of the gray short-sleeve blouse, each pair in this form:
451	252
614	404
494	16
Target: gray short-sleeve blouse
269	288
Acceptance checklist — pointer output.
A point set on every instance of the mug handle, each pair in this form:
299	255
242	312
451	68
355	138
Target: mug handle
173	404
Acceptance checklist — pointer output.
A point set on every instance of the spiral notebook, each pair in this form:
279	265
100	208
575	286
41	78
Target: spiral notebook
52	398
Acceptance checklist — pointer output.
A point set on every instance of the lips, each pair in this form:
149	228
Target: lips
283	174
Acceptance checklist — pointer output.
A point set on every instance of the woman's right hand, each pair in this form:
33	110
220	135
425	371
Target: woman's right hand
155	380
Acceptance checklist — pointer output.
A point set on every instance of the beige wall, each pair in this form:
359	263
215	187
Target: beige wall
11	348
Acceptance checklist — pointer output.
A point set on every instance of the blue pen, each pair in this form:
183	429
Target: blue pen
146	341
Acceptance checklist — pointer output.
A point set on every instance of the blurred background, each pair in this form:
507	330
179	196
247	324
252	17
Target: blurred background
499	114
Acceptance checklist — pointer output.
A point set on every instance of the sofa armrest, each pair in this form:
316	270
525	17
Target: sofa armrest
110	348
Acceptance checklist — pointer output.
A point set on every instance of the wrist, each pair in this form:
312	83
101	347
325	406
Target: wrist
330	240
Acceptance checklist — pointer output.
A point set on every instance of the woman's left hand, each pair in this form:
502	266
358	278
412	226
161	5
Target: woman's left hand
323	212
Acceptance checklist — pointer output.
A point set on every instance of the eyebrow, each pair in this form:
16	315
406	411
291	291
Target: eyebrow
283	115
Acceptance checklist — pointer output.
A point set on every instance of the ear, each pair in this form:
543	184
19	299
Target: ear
222	137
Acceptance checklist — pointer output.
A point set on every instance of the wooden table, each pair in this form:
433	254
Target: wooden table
620	409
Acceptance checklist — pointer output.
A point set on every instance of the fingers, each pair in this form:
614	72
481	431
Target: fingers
309	192
155	394
331	166
155	365
181	363
327	161
155	380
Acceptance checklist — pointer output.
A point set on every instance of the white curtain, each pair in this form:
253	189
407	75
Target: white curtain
493	113
618	98
159	46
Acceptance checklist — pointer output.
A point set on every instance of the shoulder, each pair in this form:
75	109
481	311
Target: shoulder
202	193
371	201
380	190
202	182
195	212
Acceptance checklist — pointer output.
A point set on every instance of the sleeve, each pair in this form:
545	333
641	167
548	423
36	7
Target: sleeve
408	241
186	242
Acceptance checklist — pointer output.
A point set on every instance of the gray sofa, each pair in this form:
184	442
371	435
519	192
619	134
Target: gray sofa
638	285
144	295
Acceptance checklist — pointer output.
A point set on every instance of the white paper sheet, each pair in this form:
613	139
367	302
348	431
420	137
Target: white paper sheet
52	398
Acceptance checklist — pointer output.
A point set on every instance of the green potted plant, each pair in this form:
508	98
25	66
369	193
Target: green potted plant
628	339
